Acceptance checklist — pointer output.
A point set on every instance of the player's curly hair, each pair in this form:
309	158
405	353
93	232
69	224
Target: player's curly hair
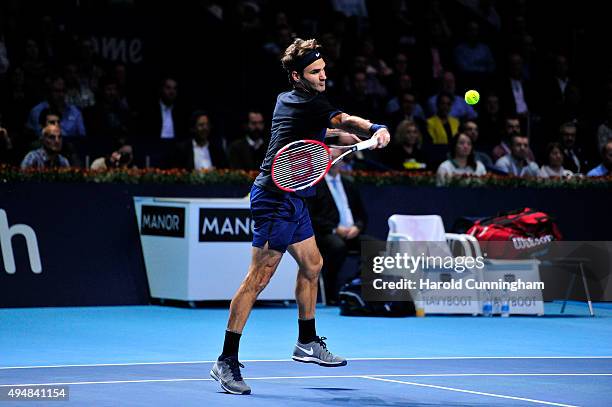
297	50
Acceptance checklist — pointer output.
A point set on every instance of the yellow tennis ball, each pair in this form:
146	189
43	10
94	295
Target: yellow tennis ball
472	97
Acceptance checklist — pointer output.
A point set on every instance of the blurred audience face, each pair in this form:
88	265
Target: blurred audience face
568	136
31	50
120	72
515	66
71	75
561	67
17	78
126	155
57	93
169	92
448	82
401	63
330	46
408	104
405	82
412	135
555	158
256	125
360	83
52	139
202	129
360	63
520	147
86	51
471	130
472	32
512	127
492	105
464	146
443	104
110	92
52	120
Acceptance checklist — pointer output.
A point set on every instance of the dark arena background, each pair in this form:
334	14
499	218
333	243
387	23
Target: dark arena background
131	133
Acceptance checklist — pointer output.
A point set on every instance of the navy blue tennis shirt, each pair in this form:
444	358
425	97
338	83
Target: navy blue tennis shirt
298	115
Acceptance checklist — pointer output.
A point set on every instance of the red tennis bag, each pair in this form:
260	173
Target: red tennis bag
525	231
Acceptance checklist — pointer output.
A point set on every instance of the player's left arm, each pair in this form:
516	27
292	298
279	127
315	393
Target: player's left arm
342	137
361	127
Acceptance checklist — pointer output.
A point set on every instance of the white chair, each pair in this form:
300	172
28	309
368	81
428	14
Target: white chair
429	228
430	239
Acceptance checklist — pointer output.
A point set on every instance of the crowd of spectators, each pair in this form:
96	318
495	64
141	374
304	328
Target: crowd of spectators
406	64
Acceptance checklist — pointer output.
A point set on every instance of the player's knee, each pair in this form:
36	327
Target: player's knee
314	267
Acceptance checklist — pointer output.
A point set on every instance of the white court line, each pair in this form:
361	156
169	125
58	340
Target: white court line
308	377
479	393
291	360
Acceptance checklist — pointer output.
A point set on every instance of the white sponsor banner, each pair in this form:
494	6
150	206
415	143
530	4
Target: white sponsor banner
211	258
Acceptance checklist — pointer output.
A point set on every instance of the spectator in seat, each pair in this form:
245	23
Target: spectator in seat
442	127
554	168
604	130
108	119
48	117
490	121
574	159
470	129
512	127
249	151
47	156
462	161
72	121
517	163
201	151
121	157
407	109
78	92
338	219
473	58
458	108
7	150
606	166
515	89
165	119
360	99
405	153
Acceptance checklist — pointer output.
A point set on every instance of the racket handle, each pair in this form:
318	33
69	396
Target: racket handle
366	144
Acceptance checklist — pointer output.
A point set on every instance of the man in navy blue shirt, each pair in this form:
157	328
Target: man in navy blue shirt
281	219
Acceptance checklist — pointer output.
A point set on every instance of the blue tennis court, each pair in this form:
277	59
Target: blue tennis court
147	356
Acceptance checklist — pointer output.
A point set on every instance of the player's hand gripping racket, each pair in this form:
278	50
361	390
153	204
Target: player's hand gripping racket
303	163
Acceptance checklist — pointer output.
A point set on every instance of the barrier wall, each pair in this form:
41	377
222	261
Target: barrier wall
82	246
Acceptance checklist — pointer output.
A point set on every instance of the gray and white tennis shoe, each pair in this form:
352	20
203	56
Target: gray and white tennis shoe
316	352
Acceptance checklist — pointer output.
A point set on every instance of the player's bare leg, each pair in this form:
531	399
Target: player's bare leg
226	369
264	262
310	347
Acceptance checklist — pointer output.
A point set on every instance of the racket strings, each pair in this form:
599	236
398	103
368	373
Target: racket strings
300	165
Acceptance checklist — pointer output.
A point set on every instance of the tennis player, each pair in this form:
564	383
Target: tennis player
281	219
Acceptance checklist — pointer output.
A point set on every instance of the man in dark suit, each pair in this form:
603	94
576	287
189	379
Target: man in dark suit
166	118
248	152
201	151
515	91
338	219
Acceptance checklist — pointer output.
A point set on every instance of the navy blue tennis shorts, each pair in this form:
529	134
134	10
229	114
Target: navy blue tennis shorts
280	219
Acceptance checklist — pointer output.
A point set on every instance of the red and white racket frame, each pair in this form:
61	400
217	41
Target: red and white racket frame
329	164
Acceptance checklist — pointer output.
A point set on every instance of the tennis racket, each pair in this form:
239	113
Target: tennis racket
303	163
